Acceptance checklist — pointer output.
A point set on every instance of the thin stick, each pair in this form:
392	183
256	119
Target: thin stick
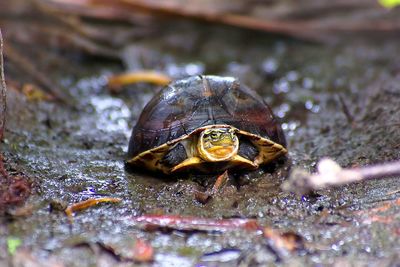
331	174
345	109
204	197
45	82
189	223
298	28
148	76
3	91
87	204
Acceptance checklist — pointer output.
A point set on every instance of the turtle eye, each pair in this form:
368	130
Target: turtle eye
215	135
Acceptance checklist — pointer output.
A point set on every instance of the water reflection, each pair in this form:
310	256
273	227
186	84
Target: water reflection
310	105
112	114
290	127
177	71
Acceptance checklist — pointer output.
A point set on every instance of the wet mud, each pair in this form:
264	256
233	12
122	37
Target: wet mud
340	101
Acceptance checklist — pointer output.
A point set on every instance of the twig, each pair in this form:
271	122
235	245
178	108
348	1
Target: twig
345	109
331	174
204	197
188	223
219	183
305	29
69	211
393	192
28	67
147	76
3	90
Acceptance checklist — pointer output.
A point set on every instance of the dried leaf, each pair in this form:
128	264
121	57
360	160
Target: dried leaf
288	241
34	93
143	251
220	183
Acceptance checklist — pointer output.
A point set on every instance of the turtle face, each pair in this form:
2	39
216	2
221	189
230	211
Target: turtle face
218	144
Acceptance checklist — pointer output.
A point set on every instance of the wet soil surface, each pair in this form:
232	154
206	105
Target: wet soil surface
339	101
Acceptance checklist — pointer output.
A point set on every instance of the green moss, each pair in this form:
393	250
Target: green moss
12	244
187	251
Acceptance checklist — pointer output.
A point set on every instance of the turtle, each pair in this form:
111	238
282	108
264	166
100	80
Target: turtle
208	124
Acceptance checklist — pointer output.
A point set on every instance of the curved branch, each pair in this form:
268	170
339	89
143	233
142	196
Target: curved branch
3	92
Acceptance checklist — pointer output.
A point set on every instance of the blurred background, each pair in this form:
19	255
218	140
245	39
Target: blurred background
330	70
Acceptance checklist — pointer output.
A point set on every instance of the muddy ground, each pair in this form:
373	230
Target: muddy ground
72	154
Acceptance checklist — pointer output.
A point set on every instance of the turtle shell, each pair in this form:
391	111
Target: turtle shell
189	104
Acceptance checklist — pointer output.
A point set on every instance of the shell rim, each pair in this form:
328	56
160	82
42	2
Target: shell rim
170	143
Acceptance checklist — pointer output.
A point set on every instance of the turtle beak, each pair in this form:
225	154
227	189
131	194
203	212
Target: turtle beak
221	151
217	145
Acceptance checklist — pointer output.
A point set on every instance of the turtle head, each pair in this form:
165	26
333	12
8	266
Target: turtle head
218	144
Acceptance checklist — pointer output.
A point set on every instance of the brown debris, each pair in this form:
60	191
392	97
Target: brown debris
346	110
117	81
384	213
220	183
23	211
380	219
70	210
204	197
34	93
31	69
331	174
43	41
287	241
143	251
302	19
189	223
393	192
279	242
17	190
26	257
14	190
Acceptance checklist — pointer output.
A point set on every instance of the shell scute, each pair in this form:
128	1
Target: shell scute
184	106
